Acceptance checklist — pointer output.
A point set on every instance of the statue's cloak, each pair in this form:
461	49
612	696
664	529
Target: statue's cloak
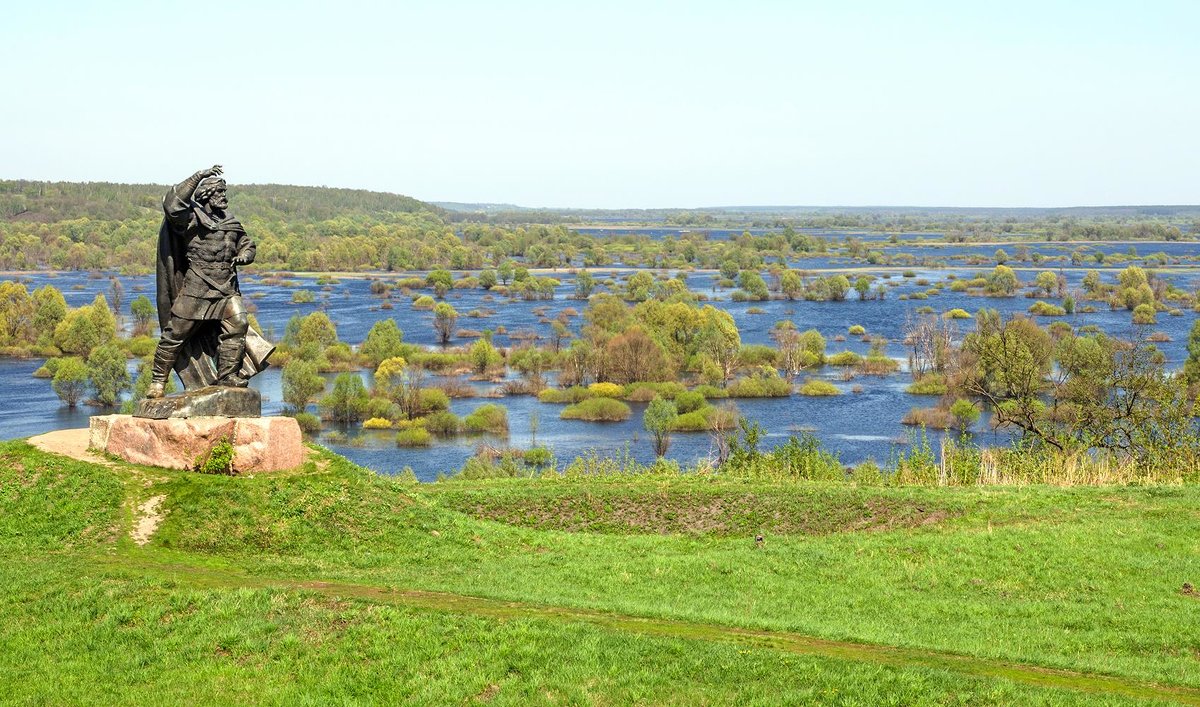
197	361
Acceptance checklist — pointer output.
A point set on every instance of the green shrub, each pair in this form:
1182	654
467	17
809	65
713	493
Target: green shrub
490	418
689	401
935	418
573	394
606	390
217	460
1045	309
424	302
844	358
1144	314
413	437
764	383
309	423
857	330
929	384
956	313
433	400
965	413
597	410
443	423
757	355
538	456
377	423
711	392
867	473
816	387
664	389
302	297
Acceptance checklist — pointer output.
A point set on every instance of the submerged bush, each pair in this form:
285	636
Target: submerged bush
844	358
764	383
573	394
606	390
597	410
929	384
413	437
491	418
1045	309
817	387
443	423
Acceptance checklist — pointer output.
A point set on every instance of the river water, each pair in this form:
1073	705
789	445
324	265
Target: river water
857	426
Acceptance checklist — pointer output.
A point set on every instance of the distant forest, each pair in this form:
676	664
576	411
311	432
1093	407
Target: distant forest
97	225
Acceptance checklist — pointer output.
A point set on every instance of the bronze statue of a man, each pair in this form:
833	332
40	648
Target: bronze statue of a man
206	336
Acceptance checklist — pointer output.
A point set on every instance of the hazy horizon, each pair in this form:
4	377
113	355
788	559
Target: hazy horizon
626	105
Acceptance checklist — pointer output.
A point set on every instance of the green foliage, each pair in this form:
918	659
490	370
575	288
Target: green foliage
689	401
763	383
86	328
432	399
490	418
573	394
597	410
1191	366
1002	281
867	473
70	380
965	413
301	383
414	437
844	358
444	319
441	281
658	419
309	423
753	284
818	387
1144	314
538	457
1045	309
444	422
956	313
483	356
928	384
219	459
303	297
108	374
857	330
348	399
384	341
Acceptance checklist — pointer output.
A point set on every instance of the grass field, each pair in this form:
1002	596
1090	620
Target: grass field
333	584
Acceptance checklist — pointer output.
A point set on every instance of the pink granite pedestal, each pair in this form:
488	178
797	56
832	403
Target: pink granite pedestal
259	443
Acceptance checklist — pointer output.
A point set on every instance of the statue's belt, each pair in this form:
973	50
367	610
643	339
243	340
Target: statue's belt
222	268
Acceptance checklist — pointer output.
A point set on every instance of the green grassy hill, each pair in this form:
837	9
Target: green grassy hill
333	584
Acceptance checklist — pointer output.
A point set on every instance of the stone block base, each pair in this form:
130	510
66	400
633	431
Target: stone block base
259	443
209	401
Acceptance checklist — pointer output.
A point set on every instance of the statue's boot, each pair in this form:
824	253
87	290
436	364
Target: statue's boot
164	360
231	348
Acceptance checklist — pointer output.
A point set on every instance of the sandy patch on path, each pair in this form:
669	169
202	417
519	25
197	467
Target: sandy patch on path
147	521
69	443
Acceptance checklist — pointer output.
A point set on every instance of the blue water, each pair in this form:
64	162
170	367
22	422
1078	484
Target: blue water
856	425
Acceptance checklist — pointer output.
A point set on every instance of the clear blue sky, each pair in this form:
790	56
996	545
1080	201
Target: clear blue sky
612	104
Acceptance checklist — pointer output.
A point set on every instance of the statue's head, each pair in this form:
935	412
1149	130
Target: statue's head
211	191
